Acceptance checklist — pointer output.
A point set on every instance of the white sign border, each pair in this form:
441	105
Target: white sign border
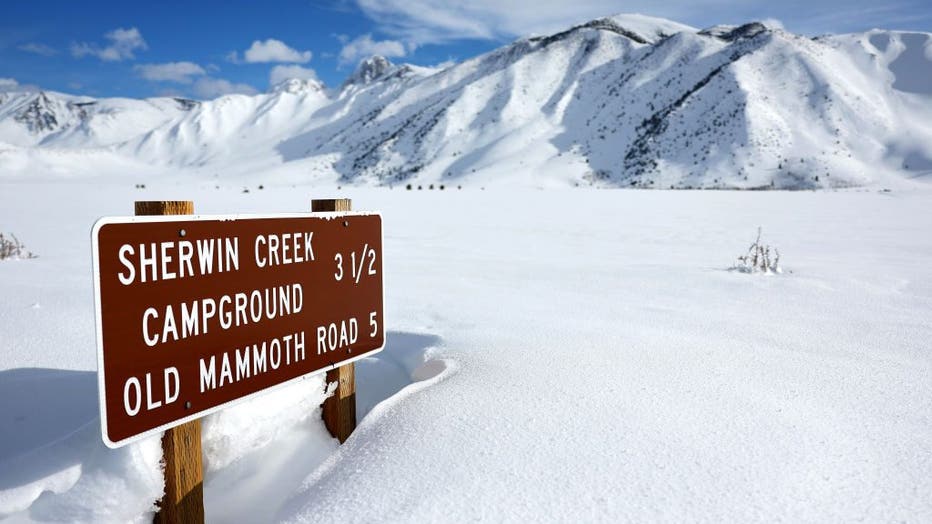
95	254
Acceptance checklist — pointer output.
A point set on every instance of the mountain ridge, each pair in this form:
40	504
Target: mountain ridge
623	101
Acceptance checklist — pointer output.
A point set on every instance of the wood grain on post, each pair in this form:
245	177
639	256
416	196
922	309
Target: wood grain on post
331	204
164	207
184	475
339	410
181	446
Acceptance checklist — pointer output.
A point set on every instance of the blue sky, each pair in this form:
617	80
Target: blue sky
204	49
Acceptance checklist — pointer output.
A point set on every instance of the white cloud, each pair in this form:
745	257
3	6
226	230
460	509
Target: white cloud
281	73
364	46
11	84
440	21
38	49
180	72
8	84
425	21
207	87
271	50
123	44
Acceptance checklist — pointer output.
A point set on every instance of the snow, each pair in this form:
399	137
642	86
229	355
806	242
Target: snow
650	28
552	355
554	352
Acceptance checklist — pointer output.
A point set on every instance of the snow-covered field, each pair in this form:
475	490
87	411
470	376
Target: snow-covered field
553	356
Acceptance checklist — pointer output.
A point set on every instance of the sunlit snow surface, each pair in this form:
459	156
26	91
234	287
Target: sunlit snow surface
561	355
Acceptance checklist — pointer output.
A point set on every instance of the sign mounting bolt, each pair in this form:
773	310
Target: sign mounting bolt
182	233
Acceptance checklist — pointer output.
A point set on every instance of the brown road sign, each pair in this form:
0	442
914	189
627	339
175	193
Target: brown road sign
196	312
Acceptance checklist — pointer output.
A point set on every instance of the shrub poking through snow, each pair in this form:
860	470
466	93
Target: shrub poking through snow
760	258
11	247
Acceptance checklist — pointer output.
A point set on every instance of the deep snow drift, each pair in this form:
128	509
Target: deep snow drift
552	356
629	101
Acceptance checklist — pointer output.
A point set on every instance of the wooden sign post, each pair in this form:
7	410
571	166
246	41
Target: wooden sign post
339	410
181	445
196	313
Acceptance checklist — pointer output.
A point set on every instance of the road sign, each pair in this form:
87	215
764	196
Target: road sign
196	312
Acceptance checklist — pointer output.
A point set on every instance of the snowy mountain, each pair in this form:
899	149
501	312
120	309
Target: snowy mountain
52	119
629	101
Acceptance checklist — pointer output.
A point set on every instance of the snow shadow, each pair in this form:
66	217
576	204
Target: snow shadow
40	408
404	360
53	464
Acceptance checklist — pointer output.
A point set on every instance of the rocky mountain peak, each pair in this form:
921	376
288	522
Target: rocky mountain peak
732	33
370	70
39	115
297	86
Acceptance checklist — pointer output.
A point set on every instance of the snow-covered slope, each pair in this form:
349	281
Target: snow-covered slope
53	119
624	101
